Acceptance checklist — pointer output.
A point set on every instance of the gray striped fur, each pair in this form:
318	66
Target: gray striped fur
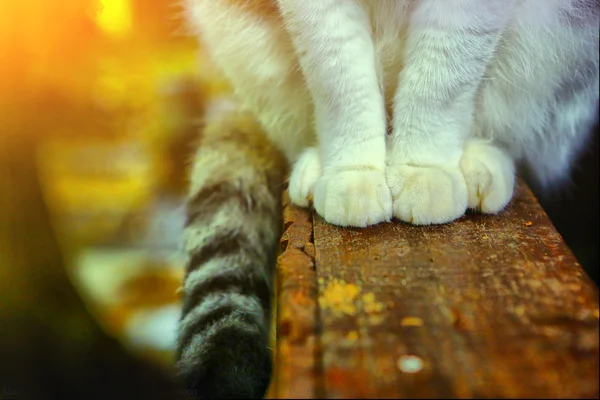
233	223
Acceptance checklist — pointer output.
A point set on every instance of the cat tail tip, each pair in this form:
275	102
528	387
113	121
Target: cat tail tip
229	361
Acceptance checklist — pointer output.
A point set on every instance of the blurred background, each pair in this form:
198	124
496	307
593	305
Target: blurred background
106	97
100	103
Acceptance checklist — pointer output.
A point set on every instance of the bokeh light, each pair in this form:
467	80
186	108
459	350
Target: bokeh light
109	94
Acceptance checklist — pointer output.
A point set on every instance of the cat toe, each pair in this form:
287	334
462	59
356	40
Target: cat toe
305	173
425	195
353	197
490	177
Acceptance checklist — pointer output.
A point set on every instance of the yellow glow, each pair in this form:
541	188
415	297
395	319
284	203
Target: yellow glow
114	17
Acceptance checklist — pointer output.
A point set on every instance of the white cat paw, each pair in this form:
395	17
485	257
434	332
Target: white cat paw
490	177
427	195
305	173
353	197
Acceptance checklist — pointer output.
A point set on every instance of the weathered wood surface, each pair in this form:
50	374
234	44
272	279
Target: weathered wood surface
297	293
485	307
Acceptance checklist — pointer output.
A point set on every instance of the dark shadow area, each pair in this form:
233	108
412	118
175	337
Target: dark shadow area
574	211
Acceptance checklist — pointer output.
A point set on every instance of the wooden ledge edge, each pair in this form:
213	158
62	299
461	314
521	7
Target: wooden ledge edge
296	360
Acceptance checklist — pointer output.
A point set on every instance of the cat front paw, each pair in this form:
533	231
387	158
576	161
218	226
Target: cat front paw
353	197
490	176
425	195
305	173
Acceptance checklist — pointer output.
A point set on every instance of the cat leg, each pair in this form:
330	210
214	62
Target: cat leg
248	44
539	99
333	41
447	50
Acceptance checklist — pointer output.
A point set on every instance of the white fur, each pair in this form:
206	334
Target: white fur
304	177
489	176
472	86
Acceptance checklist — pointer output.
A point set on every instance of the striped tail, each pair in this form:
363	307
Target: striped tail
233	223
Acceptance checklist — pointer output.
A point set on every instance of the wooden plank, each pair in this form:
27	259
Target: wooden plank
485	307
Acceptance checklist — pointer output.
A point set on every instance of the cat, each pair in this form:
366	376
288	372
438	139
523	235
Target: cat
413	109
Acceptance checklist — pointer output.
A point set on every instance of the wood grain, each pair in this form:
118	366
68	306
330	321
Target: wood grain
485	307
